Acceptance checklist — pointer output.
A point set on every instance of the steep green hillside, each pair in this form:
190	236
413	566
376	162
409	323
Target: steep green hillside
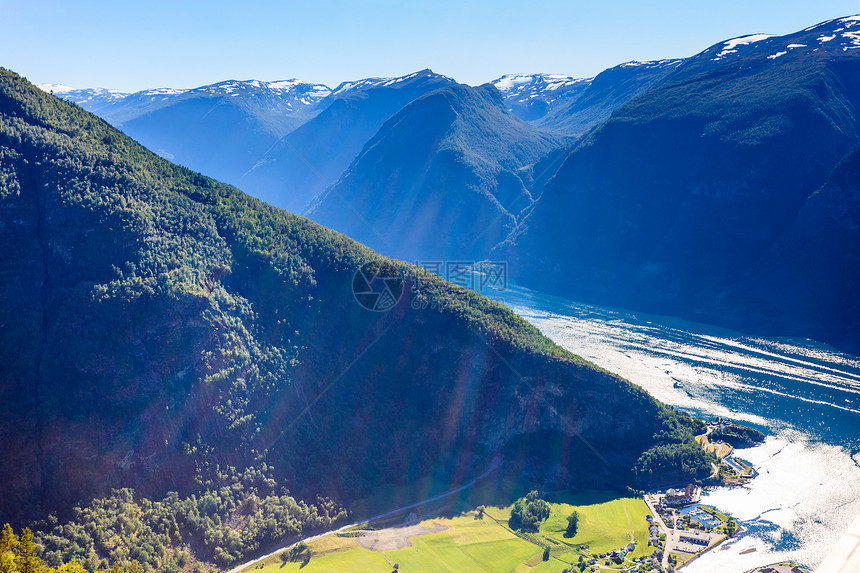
161	330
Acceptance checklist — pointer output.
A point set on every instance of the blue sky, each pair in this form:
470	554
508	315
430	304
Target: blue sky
137	45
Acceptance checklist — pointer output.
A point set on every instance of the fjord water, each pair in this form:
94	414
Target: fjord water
804	395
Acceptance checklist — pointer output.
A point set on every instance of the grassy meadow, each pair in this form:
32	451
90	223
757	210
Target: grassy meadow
470	544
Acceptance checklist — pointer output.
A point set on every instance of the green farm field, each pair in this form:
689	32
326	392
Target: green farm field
472	545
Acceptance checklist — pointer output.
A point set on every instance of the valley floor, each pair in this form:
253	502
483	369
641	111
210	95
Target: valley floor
470	542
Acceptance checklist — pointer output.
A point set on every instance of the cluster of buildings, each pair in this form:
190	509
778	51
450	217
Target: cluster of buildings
693	541
653	531
689	529
616	556
681	497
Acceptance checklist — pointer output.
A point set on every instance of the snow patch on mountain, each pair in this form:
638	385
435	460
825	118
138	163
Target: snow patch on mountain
512	81
161	92
841	34
284	84
365	84
84	96
370	83
55	88
731	46
548	87
839	28
854	37
319	90
651	63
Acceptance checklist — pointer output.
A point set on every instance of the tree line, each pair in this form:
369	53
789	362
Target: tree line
232	519
21	555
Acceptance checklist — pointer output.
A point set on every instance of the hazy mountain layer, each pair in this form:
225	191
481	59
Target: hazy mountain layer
314	156
440	179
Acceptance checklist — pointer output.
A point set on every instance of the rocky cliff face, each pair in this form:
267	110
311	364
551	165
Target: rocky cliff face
820	245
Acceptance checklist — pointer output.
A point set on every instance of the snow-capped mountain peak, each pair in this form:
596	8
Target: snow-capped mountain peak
97	96
549	82
838	35
285	95
276	99
520	88
162	91
370	83
288	85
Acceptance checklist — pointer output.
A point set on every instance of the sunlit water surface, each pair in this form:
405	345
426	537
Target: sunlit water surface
804	395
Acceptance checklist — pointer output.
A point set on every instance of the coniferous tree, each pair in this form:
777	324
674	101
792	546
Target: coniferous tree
8	539
27	558
8	544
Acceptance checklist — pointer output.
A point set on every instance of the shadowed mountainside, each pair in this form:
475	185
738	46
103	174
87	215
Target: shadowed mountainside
677	203
440	180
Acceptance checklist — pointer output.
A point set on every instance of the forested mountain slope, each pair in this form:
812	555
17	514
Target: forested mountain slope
161	330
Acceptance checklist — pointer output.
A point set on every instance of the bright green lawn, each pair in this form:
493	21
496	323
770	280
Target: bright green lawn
356	560
605	522
473	545
437	552
604	525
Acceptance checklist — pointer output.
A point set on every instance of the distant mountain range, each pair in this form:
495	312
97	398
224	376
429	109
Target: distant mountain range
672	186
573	106
222	129
303	163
